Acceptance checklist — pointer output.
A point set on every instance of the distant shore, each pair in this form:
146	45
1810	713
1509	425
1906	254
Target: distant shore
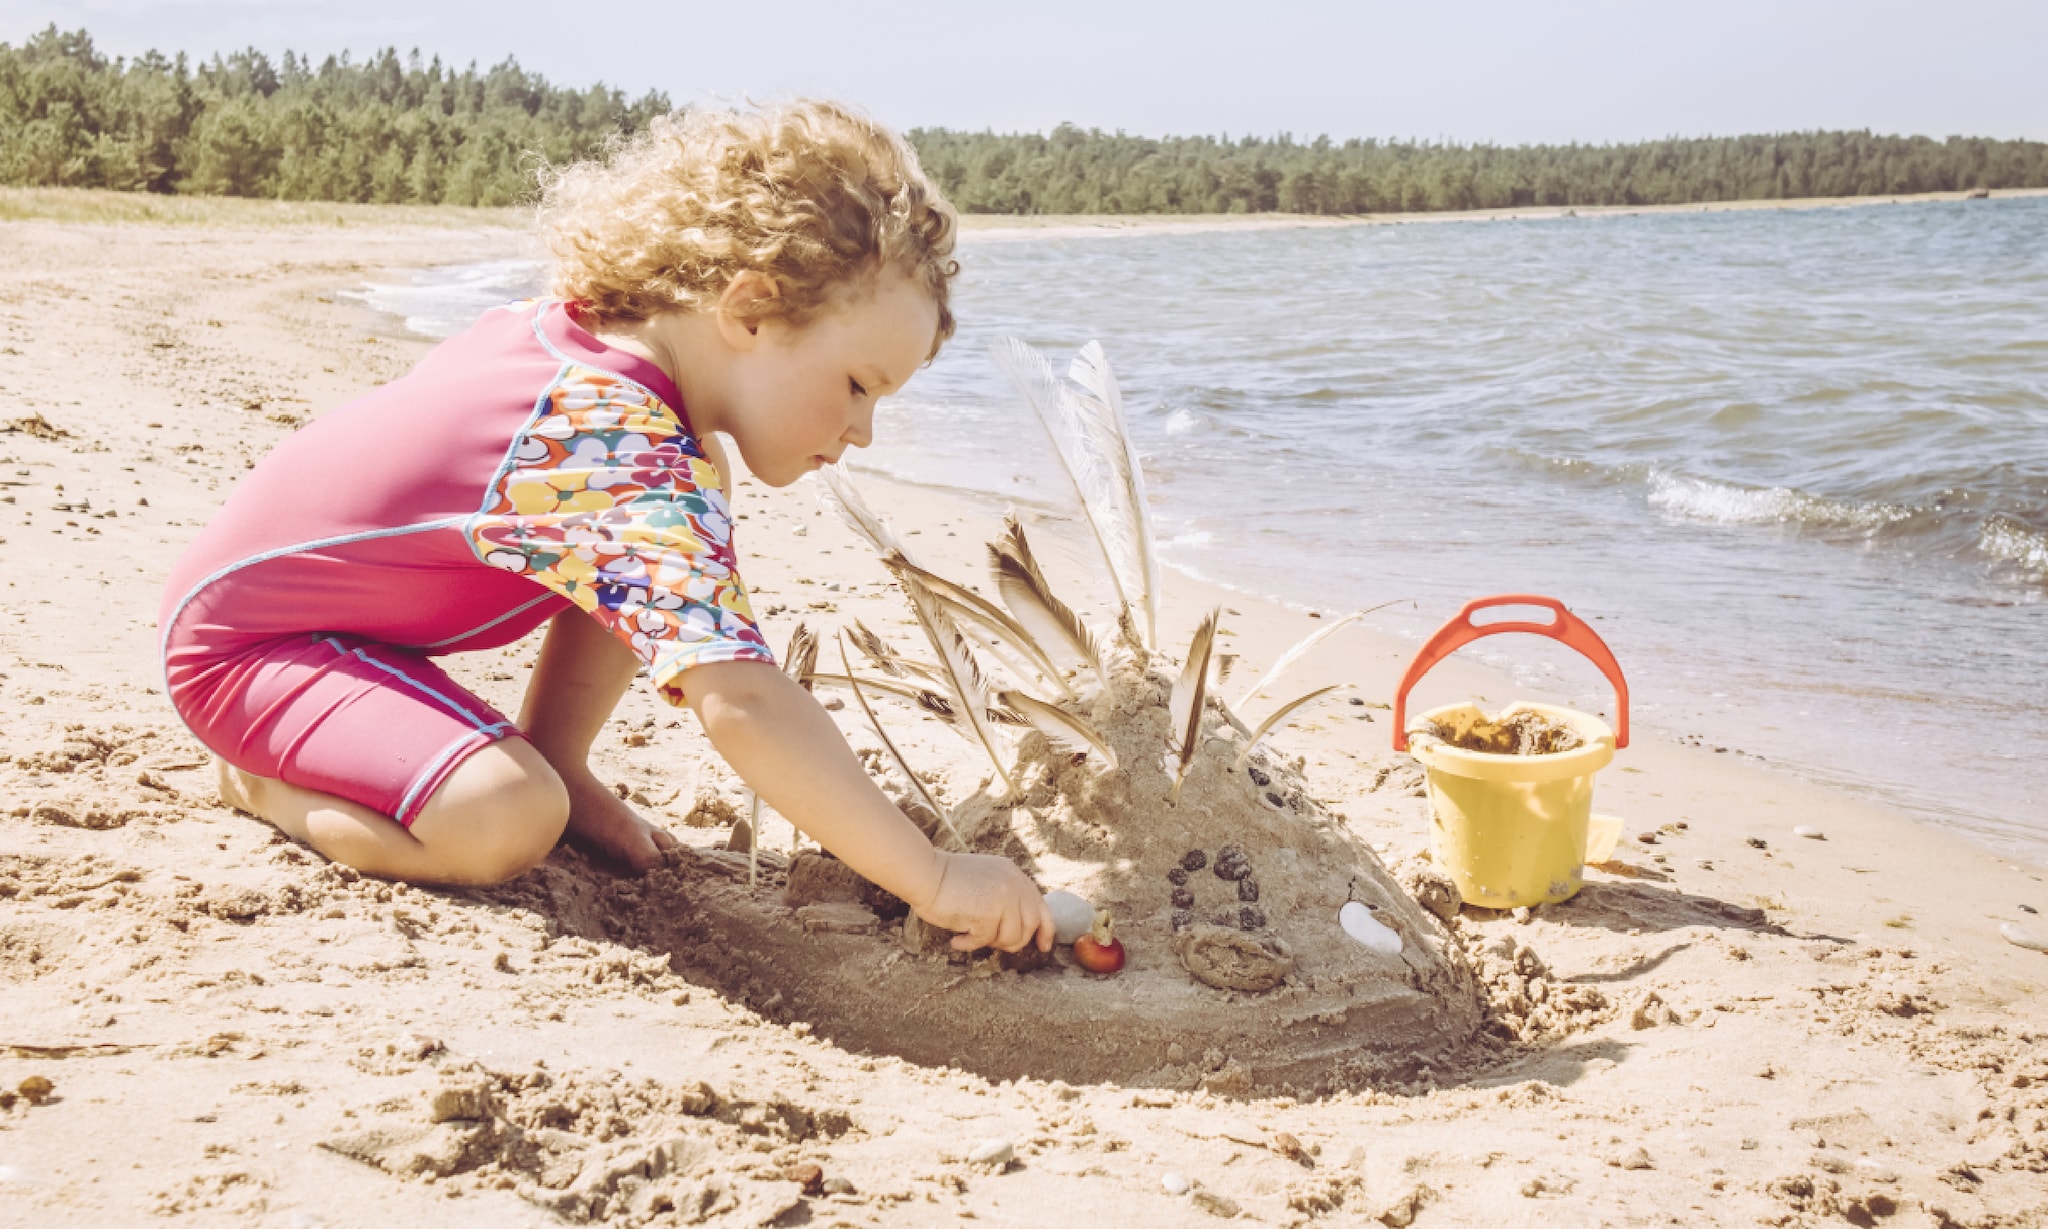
99	207
1040	226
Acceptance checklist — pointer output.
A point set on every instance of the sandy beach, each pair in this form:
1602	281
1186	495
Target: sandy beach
204	1024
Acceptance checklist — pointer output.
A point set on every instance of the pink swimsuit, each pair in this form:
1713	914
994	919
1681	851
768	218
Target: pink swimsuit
521	468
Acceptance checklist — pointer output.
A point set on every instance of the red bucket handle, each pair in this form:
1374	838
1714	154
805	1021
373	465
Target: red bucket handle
1461	631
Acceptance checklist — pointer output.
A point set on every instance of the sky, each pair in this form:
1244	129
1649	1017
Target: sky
1504	72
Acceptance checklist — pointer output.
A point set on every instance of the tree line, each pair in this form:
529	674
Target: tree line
394	129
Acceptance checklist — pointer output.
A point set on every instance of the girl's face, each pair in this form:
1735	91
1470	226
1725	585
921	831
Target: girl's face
799	397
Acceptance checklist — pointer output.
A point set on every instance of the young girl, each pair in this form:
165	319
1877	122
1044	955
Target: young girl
762	275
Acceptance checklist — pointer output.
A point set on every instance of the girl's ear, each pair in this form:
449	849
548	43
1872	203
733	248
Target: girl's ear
743	304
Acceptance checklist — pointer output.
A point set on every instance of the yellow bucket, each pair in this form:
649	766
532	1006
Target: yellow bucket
1512	830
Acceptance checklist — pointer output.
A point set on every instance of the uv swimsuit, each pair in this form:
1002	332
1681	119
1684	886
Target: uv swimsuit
522	468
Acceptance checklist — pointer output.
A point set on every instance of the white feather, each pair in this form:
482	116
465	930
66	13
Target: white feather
1185	705
963	677
837	491
1277	716
1302	650
1090	462
1061	728
1103	408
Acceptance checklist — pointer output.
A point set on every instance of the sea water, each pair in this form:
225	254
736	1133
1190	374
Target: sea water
1793	463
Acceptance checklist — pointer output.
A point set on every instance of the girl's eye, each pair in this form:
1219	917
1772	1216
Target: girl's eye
858	391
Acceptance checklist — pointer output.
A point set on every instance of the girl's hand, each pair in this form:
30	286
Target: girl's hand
992	901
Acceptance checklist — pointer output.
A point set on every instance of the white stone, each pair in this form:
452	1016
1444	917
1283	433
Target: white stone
2020	936
1369	931
997	1152
1071	916
1174	1184
1811	834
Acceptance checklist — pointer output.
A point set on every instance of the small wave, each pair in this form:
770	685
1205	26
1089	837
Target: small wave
1725	503
2010	542
1180	422
443	301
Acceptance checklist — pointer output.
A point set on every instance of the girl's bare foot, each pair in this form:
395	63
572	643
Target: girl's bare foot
602	825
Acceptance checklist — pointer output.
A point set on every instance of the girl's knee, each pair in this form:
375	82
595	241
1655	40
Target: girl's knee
497	816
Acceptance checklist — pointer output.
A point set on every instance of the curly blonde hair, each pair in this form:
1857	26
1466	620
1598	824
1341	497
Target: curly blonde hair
812	194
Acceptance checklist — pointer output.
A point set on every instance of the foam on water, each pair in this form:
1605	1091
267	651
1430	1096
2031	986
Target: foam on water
1727	503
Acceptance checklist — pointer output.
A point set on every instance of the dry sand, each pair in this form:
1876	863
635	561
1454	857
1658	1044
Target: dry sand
1740	1026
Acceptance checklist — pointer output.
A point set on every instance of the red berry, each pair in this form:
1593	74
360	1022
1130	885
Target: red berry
1097	951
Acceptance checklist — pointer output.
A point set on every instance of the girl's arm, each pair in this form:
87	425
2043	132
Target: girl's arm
779	740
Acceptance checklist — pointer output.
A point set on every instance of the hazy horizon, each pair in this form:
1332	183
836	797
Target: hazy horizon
1499	73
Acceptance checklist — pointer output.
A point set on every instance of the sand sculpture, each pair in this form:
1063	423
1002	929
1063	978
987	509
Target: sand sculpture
1120	775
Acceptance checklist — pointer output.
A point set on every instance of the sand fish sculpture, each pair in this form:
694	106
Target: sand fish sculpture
1122	775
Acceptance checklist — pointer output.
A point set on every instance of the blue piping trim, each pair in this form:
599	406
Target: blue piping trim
433	769
482	628
410	681
164	644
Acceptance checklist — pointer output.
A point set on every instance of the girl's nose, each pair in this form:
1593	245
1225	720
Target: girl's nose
861	431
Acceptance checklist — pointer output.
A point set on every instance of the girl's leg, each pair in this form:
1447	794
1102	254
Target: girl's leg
582	674
495	817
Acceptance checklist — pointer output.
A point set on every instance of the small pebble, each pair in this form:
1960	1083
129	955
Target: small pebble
1250	918
1756	842
1174	1184
1183	899
1811	834
1247	890
1194	860
1260	779
35	1089
2028	909
2015	934
994	1152
1178	876
1288	1146
840	1186
807	1174
1231	863
1183	918
1522	915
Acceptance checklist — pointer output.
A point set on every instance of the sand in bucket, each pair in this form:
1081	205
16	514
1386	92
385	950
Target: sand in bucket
1511	793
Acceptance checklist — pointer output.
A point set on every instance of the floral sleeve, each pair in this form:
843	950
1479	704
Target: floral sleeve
608	500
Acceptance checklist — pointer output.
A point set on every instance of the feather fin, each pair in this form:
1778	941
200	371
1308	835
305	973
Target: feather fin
1031	600
1060	727
1302	649
917	785
1066	425
836	490
963	676
1009	636
801	661
1186	704
1102	407
1276	717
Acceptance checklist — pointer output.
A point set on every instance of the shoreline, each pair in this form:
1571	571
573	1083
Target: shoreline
1801	1029
98	207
